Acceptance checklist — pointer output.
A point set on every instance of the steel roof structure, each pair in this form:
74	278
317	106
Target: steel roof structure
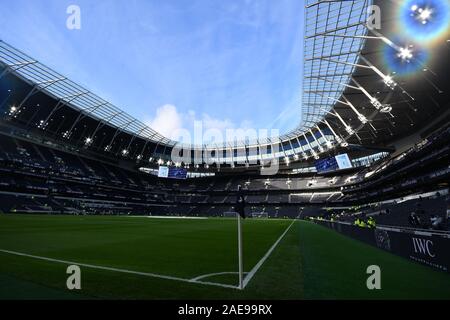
320	72
348	97
44	79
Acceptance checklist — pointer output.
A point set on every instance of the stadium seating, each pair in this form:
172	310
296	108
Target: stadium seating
37	178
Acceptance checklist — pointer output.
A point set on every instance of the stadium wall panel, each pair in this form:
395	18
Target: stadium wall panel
428	248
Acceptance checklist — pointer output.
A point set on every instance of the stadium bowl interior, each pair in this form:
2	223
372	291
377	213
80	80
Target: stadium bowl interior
362	180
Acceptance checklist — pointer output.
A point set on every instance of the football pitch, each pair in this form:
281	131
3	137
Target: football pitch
160	258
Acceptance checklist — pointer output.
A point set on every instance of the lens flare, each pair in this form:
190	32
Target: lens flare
425	20
405	59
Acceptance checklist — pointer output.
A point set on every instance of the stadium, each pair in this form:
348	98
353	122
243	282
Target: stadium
357	192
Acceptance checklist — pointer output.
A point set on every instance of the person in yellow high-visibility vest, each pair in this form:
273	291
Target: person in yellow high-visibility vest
371	222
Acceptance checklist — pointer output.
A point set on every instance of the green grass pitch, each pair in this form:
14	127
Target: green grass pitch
173	258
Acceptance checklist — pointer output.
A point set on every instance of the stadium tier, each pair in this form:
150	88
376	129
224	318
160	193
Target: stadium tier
49	179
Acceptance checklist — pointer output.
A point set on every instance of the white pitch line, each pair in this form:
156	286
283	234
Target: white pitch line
203	276
255	269
176	217
195	280
145	274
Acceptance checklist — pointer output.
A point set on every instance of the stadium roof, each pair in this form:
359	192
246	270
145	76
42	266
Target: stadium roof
61	88
329	59
321	16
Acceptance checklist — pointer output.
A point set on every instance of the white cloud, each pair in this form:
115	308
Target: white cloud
166	121
170	122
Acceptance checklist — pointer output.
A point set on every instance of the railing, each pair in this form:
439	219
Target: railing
427	247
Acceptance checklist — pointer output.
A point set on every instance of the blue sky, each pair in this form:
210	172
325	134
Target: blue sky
228	63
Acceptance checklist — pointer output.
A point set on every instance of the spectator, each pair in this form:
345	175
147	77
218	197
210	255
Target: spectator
371	222
414	220
436	222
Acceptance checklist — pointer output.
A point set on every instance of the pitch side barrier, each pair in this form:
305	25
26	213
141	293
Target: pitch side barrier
426	247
